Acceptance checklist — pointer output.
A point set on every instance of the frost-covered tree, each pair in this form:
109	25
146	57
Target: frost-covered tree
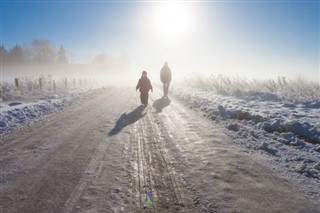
43	52
61	56
3	54
16	55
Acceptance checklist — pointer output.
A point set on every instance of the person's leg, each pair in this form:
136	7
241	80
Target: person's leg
164	88
141	98
144	98
168	84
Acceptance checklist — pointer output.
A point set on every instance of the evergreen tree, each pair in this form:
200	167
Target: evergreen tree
16	55
3	55
61	56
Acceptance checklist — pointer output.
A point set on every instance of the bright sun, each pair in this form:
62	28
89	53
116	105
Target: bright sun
172	20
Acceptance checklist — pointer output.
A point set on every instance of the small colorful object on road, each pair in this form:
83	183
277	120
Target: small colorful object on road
149	200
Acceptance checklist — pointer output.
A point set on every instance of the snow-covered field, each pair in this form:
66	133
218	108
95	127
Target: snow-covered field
283	135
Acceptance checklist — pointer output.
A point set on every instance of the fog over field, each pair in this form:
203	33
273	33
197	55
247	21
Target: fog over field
255	40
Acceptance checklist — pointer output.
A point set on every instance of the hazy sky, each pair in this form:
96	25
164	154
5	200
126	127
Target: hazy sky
252	38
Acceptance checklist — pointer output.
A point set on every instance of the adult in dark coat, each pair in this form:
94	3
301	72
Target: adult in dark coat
165	77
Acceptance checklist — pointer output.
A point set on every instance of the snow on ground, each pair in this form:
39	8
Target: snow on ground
285	136
23	111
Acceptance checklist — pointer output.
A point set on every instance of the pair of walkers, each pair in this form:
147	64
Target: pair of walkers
144	83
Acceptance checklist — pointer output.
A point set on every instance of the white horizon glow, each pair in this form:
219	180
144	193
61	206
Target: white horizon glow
172	20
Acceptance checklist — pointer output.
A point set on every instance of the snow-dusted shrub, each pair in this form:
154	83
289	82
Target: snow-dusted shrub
7	90
297	90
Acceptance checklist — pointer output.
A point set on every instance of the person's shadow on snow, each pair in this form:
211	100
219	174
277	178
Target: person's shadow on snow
127	119
161	103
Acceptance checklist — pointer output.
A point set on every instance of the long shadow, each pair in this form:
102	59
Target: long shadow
127	119
161	103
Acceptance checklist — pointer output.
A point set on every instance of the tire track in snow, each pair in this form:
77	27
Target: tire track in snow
155	171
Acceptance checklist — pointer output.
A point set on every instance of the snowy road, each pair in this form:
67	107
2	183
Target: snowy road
106	153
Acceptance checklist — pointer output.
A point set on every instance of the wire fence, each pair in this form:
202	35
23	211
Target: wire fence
31	86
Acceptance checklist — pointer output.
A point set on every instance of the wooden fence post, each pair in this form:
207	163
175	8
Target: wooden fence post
66	83
54	85
16	81
40	83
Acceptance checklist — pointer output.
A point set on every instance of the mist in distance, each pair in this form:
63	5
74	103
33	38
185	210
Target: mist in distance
40	58
234	39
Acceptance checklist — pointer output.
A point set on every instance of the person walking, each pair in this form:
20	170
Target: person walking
165	77
144	85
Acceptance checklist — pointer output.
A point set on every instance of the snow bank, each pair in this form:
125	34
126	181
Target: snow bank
16	114
281	130
271	116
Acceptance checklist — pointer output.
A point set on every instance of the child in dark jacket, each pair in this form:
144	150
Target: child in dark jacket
144	85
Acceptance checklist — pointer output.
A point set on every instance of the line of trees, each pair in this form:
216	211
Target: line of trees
41	52
38	52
